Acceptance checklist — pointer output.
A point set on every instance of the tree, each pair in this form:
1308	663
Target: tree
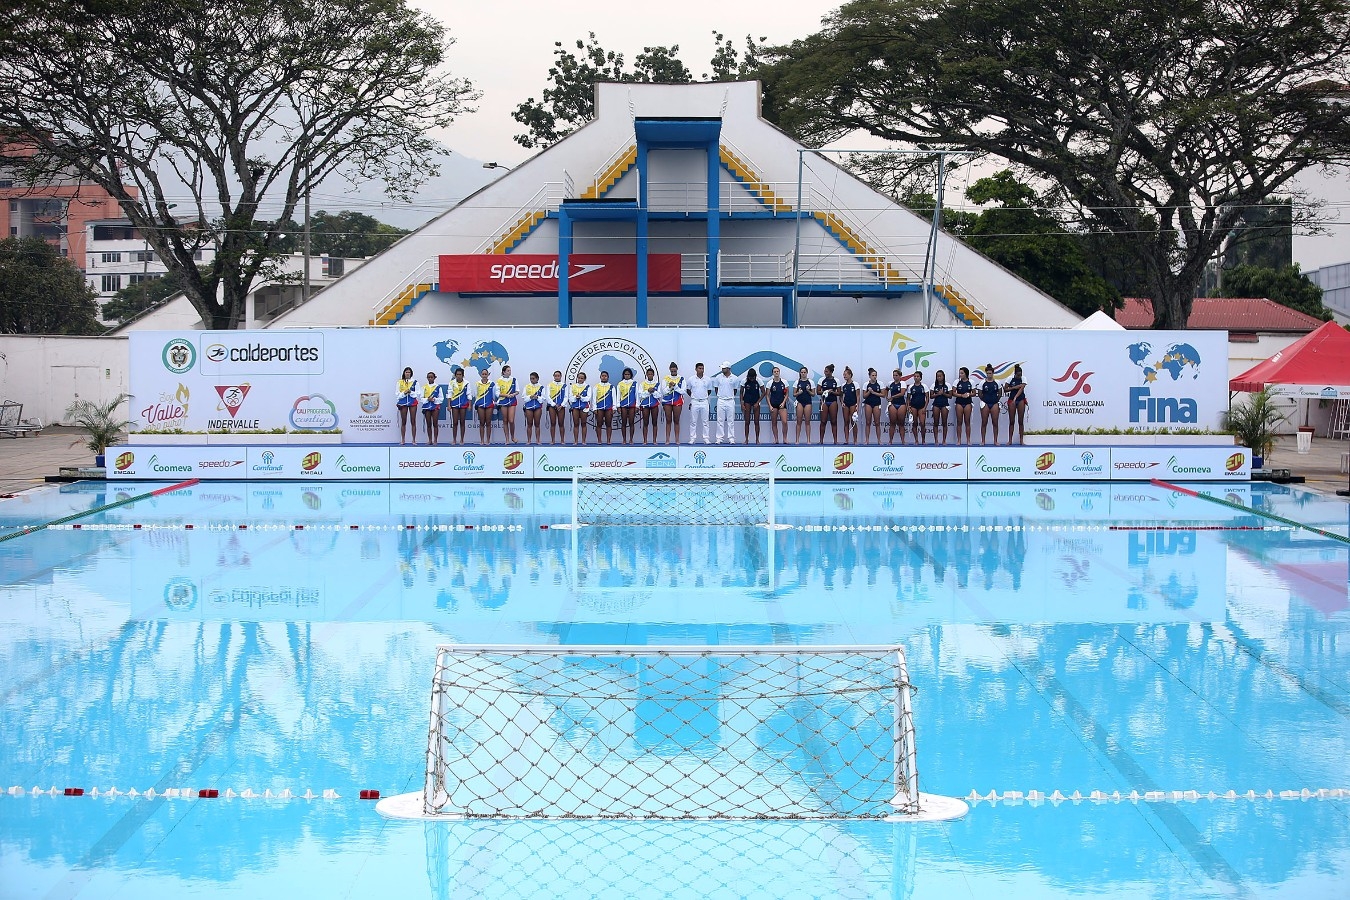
348	234
42	292
243	105
569	102
1287	286
1158	121
135	299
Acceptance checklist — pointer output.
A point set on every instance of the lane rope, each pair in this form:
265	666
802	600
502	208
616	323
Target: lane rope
1250	510
56	523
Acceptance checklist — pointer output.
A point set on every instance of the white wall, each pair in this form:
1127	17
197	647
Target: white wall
47	373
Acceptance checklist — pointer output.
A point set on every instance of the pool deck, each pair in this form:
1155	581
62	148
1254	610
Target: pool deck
26	462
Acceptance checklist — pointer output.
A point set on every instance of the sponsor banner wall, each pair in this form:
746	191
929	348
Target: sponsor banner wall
522	273
446	463
324	379
357	463
1181	464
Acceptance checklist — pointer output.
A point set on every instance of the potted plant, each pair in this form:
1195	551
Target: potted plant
1255	423
101	424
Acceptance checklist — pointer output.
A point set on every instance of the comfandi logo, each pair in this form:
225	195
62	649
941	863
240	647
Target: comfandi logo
468	457
888	458
1087	463
888	465
267	457
468	463
700	458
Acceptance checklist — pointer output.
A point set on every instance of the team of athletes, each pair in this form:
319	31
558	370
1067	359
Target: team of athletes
650	402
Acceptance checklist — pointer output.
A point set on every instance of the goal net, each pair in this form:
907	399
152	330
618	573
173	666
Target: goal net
674	497
670	733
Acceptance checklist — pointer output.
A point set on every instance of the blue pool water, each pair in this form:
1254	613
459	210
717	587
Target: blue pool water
1058	639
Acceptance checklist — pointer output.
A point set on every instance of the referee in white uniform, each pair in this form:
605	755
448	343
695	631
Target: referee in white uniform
726	385
697	388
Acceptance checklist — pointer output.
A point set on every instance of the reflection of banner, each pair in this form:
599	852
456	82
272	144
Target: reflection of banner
320	379
522	273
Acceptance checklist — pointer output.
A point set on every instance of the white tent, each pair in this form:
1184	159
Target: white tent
1099	321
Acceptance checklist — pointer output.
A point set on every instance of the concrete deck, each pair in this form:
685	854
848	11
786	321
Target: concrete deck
25	462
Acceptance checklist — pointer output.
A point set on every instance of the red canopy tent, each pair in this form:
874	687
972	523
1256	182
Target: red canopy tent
1316	365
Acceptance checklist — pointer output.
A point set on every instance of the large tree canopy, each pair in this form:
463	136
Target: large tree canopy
41	292
1287	286
569	100
209	121
1158	120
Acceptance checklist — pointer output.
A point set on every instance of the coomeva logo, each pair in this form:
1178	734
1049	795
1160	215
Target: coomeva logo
546	466
349	468
782	465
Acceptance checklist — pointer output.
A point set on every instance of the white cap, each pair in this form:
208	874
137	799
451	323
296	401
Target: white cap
725	364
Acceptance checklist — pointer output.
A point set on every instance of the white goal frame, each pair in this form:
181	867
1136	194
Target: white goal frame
658	476
906	804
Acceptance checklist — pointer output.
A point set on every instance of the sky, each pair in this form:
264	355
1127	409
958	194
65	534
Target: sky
506	51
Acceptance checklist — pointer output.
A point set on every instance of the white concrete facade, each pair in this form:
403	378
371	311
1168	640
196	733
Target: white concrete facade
754	237
47	373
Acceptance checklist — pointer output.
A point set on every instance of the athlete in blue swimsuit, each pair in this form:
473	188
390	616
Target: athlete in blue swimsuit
941	396
916	398
963	392
872	406
802	393
896	415
849	391
778	394
1017	405
990	392
828	389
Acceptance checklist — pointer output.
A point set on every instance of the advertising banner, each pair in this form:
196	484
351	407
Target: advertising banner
521	273
447	463
345	379
176	463
326	462
1181	463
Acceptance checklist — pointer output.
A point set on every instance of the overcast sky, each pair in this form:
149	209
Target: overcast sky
506	50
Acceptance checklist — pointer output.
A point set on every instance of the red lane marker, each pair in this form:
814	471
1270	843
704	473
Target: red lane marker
74	792
1158	482
175	487
369	794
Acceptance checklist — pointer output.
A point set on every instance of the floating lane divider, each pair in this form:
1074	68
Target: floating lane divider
56	523
1330	535
1055	798
185	793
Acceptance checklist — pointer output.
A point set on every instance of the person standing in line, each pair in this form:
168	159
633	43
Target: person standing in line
916	398
650	402
751	394
458	392
604	410
697	388
828	391
432	393
990	392
627	403
406	391
579	398
940	396
963	392
555	400
672	398
507	397
484	401
895	417
802	392
534	408
726	385
872	406
1017	405
849	392
778	396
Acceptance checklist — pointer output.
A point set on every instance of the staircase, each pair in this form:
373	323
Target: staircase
745	174
870	256
403	301
963	308
531	216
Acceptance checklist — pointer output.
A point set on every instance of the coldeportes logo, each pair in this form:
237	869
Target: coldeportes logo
1045	461
179	356
258	352
1232	464
782	465
513	461
125	460
314	413
1075	381
843	461
348	468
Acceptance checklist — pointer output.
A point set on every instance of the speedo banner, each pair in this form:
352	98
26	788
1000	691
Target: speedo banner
534	273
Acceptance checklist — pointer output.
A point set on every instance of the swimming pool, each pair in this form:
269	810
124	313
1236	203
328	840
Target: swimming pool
1060	642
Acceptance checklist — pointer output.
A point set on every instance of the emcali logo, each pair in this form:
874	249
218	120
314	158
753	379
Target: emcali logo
1076	381
309	463
513	460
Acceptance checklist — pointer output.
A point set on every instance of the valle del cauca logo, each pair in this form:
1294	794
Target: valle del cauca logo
1179	362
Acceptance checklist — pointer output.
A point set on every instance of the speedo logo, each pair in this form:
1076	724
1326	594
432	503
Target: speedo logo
940	466
612	463
504	272
743	464
1133	465
420	463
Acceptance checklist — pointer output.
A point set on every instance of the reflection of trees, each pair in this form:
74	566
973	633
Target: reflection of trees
227	705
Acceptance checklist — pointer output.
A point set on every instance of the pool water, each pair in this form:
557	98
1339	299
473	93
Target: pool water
1120	639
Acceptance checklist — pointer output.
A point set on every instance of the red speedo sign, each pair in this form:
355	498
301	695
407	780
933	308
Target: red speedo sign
531	273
